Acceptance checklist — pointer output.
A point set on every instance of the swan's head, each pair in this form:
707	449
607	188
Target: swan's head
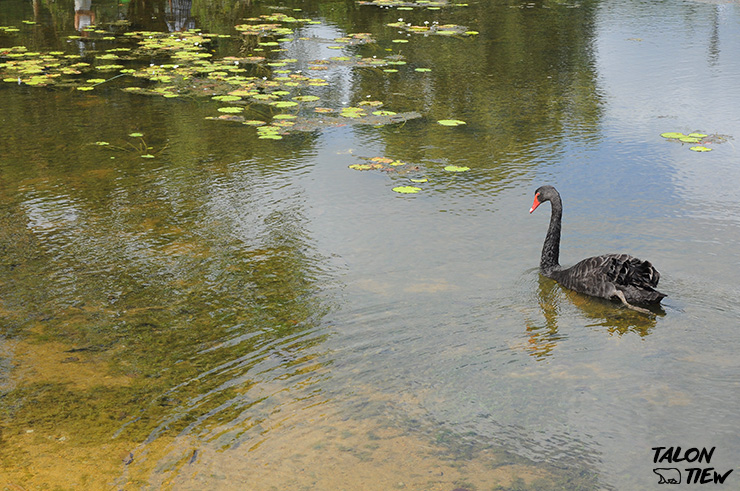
543	193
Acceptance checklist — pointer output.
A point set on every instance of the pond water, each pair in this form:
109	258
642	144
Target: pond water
190	303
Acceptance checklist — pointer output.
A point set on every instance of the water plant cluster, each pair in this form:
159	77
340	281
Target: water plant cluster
434	28
182	64
699	139
408	5
140	146
414	173
285	92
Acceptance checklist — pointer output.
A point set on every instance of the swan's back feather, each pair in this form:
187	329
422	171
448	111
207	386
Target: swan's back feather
601	276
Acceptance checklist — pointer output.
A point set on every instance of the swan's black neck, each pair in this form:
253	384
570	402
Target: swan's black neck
550	260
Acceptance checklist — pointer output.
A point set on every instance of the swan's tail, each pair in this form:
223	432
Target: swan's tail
620	296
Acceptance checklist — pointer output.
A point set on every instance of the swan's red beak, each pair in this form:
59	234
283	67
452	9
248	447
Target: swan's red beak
535	204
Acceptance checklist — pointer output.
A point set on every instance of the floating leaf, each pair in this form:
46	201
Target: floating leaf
136	135
700	149
147	156
230	109
697	135
361	166
456	168
226	98
419	180
422	70
406	189
283	103
384	113
253	122
102	143
451	122
671	134
306	98
352	112
689	139
104	68
382	160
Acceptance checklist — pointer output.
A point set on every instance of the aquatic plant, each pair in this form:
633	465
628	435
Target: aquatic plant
406	189
695	137
139	146
451	122
183	64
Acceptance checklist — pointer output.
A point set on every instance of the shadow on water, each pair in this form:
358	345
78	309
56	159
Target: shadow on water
612	316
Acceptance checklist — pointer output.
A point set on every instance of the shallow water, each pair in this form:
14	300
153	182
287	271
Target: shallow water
243	313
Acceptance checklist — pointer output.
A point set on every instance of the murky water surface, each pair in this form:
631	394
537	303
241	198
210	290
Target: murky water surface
192	306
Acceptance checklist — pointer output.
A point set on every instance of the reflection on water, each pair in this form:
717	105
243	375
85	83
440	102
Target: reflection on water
602	313
243	313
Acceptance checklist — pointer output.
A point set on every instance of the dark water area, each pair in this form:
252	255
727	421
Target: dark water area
201	293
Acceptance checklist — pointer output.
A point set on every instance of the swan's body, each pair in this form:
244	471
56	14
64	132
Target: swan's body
610	276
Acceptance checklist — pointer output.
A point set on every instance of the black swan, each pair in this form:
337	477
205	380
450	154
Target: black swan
610	276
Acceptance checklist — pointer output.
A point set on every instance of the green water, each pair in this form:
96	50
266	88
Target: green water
191	306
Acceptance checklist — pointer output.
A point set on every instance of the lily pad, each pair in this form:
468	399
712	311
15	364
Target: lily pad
451	122
689	139
672	134
230	109
406	189
284	104
456	168
136	135
382	160
700	149
226	98
306	98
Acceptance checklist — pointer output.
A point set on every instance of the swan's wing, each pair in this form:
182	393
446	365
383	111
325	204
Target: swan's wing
601	275
628	270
